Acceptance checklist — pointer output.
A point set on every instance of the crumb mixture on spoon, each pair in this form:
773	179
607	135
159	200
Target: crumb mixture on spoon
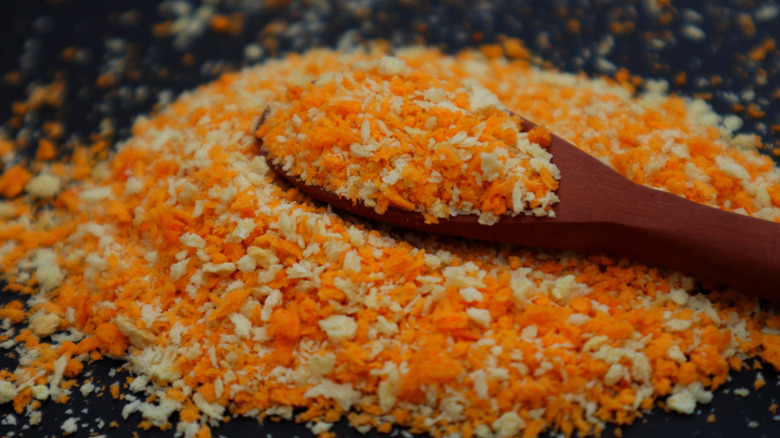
385	135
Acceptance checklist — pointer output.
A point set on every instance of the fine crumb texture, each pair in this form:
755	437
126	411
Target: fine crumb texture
385	134
227	294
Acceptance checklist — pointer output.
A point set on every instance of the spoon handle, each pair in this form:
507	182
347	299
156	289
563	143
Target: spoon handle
603	212
726	249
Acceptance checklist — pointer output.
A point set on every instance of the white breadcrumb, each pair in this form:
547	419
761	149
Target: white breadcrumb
339	327
682	402
479	316
508	425
95	195
389	65
44	325
8	391
70	426
43	186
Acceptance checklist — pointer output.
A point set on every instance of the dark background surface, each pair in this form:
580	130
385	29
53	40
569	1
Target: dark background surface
126	62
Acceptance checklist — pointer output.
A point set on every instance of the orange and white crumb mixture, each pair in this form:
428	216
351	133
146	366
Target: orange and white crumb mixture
384	134
228	294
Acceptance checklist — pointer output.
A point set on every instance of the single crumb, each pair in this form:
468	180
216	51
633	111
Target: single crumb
87	388
8	391
683	402
693	33
44	325
35	418
9	420
70	426
43	186
114	388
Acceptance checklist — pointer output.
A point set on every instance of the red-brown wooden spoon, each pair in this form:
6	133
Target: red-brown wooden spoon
600	211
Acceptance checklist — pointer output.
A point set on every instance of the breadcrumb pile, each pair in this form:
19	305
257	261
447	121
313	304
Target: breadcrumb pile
383	134
230	294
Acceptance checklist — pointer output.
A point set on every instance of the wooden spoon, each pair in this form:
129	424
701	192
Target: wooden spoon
600	211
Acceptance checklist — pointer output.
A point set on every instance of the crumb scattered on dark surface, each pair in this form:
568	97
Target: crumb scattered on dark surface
77	73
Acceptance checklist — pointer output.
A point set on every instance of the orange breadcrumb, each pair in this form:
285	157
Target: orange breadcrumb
13	180
227	24
46	150
7	146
